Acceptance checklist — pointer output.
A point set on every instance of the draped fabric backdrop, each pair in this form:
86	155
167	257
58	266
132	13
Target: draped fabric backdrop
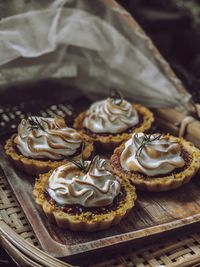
85	41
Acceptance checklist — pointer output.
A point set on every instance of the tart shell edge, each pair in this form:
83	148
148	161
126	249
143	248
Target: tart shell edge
167	182
87	221
111	141
37	166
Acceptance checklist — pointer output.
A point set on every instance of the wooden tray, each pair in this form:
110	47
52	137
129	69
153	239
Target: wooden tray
154	214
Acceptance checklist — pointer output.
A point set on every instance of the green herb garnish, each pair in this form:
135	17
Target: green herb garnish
116	97
147	140
81	163
35	124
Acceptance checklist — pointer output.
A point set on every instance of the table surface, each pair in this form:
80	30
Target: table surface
182	250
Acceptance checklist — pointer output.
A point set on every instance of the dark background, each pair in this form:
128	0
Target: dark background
174	26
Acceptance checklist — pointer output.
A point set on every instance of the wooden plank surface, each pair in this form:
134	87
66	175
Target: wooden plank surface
154	213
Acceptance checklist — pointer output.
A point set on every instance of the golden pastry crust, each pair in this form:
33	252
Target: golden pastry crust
110	141
160	183
37	166
86	221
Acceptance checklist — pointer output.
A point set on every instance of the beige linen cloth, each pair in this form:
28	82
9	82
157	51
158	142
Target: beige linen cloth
84	40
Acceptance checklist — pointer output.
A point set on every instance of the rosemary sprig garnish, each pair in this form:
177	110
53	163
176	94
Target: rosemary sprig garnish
116	96
107	166
81	163
147	140
35	124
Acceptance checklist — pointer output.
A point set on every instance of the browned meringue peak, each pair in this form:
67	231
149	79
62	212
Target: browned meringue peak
97	187
109	116
159	156
47	138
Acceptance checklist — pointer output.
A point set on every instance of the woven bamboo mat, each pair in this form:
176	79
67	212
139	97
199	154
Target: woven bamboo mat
181	251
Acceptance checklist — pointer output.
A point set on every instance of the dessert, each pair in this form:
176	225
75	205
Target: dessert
45	143
109	122
156	162
84	195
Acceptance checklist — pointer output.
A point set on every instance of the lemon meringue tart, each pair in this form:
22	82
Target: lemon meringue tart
156	162
109	122
84	196
42	144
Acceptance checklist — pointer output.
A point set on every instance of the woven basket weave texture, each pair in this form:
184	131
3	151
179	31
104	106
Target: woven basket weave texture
180	251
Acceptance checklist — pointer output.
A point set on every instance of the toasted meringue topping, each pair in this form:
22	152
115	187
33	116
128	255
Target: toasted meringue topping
156	157
107	116
47	138
69	185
